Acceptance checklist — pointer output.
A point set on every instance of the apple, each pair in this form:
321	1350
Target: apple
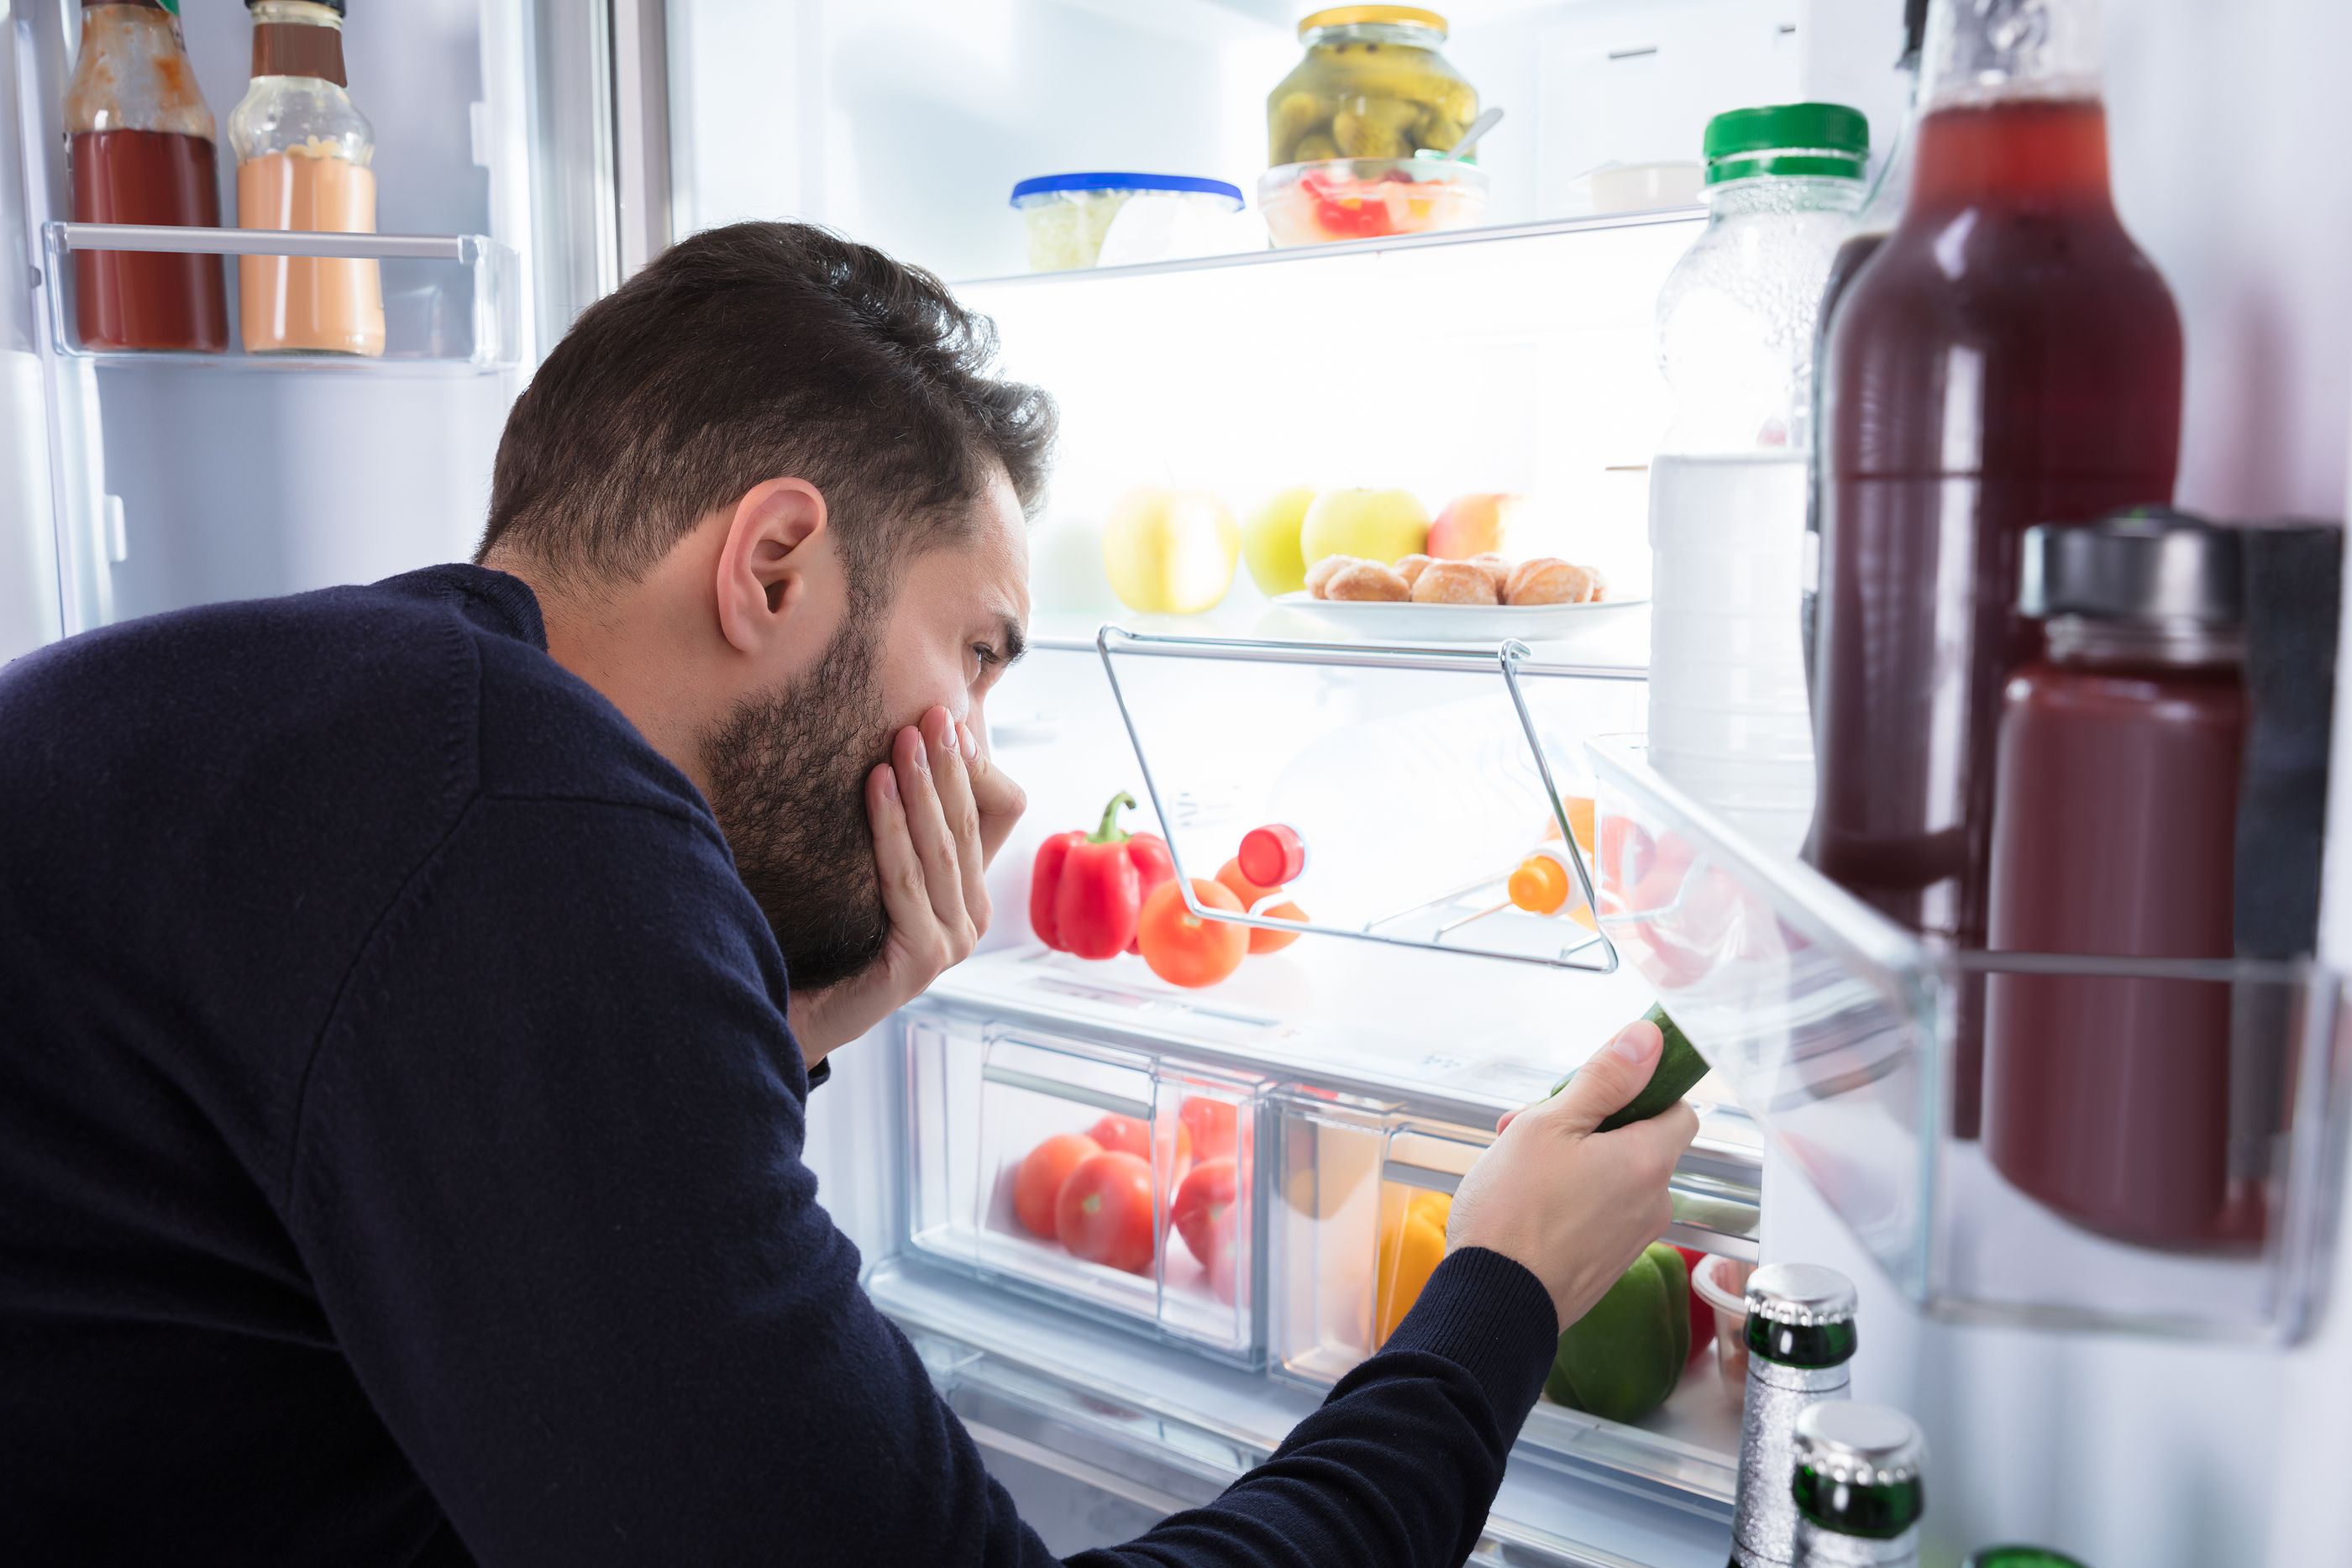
1384	526
1169	553
1270	541
1474	525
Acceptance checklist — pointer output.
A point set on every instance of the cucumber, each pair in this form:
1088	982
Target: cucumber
1679	1066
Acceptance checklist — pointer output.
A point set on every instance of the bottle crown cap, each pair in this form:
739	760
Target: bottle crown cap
1858	1445
1803	1294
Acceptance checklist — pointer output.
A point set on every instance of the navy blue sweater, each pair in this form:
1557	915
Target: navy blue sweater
400	1152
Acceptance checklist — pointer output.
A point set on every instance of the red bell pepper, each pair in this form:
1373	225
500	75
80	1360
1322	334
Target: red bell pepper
1086	888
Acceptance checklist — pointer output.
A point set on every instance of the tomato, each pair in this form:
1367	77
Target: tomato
1204	1212
1040	1178
1104	1213
1126	1136
1237	882
1214	1123
1184	949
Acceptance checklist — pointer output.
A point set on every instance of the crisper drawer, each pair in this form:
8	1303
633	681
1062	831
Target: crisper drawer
1356	1224
1115	1182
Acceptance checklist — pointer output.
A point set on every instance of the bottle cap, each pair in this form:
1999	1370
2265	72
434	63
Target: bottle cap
1804	1295
2019	1557
1848	1444
1787	140
1857	1470
2148	565
1272	855
334	5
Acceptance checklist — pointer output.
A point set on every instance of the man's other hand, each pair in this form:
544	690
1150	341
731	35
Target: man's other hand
940	810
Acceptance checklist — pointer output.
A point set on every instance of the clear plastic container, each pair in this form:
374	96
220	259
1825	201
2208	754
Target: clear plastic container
303	156
1112	1182
1722	1284
1084	220
1370	198
1727	489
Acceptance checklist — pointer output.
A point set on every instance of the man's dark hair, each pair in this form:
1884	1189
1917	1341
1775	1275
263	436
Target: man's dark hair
743	354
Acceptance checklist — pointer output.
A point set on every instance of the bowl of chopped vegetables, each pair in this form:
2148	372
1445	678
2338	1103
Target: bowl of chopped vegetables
1370	198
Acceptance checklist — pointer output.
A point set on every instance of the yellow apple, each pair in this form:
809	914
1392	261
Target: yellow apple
1270	541
1169	553
1474	525
1384	526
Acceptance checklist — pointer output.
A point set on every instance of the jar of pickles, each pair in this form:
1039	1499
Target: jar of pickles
1373	86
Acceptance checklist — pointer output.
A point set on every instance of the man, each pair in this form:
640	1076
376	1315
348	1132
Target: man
410	997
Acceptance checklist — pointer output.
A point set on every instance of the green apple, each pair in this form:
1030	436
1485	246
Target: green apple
1270	541
1384	526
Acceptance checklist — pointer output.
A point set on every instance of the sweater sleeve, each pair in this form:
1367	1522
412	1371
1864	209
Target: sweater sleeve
548	1186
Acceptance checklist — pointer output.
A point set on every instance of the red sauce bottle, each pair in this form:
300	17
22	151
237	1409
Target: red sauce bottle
140	145
2007	358
2115	822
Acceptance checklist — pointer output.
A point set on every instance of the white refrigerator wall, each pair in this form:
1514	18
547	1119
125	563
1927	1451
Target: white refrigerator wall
29	608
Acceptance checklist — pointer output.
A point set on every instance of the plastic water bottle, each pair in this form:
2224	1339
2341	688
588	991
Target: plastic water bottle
1729	721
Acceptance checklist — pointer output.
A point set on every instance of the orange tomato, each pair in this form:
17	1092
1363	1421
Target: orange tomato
1042	1174
1184	949
1249	893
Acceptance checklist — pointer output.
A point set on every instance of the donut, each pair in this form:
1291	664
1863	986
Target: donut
1322	571
1410	569
1453	582
1600	589
1548	579
1367	581
1496	567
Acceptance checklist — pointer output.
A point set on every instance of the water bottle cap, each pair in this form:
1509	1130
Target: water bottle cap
1787	140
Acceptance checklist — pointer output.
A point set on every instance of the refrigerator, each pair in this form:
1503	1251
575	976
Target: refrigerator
2129	1408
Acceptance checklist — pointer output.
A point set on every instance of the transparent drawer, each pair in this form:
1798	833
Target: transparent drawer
1415	784
1115	1182
1356	1224
1835	1029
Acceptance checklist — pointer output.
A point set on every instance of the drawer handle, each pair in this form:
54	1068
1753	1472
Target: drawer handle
1427	1180
1054	1088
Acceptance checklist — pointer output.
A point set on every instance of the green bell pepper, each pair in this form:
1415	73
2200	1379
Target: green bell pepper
1621	1359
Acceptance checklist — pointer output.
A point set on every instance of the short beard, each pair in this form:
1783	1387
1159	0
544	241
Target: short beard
788	784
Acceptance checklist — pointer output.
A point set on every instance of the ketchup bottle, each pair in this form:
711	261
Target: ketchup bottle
140	145
2007	358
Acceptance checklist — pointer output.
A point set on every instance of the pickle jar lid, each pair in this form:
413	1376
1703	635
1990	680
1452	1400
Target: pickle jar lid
1360	16
1789	140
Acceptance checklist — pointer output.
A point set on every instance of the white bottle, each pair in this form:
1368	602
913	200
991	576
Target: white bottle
1729	721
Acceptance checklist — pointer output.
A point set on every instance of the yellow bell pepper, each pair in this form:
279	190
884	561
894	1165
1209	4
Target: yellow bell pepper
1411	1249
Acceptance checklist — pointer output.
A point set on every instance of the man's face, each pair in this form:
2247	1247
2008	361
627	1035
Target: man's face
787	768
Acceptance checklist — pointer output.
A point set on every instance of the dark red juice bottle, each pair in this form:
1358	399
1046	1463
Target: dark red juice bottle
140	145
2115	835
2007	358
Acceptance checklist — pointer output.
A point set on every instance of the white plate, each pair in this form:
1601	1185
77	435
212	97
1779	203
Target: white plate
1458	623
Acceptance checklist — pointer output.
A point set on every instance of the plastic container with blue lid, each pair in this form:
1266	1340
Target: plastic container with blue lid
1116	219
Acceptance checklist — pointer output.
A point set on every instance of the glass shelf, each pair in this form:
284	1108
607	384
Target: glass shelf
1833	1028
452	302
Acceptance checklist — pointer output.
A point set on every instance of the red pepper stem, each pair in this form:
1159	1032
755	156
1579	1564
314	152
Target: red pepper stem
1110	832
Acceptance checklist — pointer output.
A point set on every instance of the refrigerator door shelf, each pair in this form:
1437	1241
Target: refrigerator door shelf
1167	1241
1833	1026
452	302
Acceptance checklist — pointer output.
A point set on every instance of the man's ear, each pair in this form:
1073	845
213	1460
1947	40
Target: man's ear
763	564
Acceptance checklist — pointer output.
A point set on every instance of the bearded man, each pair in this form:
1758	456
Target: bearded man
410	996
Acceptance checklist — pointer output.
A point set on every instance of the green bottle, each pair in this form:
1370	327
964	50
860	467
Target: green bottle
1857	1487
2021	1557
